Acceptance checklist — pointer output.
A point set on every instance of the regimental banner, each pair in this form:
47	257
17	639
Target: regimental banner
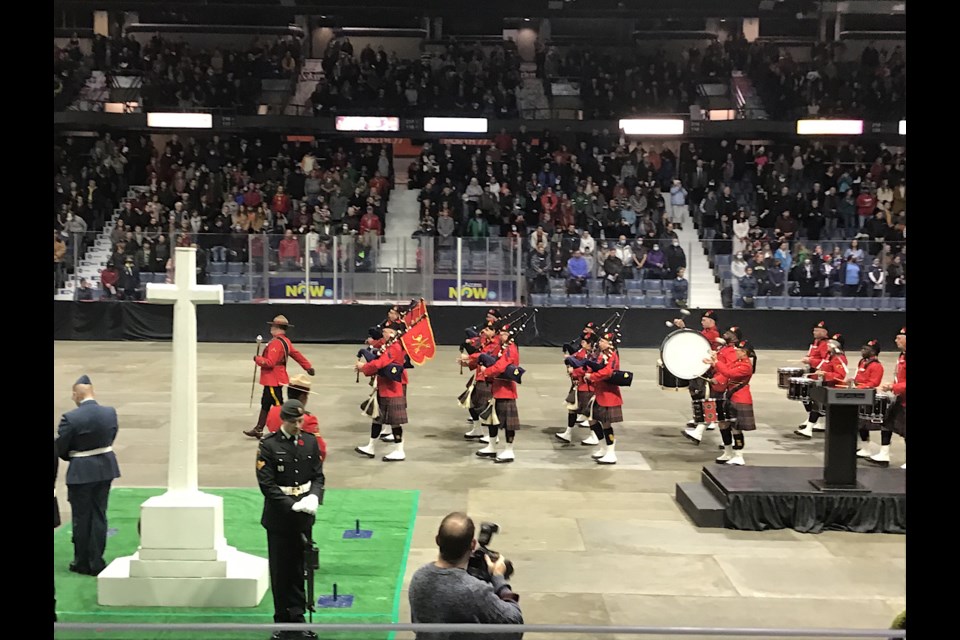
296	288
418	340
474	290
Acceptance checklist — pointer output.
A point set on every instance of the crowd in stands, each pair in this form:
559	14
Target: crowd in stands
69	73
462	80
636	82
872	88
236	200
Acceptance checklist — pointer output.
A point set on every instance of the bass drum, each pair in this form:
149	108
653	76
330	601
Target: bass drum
669	381
683	352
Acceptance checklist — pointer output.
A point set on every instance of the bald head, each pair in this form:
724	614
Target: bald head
82	392
455	537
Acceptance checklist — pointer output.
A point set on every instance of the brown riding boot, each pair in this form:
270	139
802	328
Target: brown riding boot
257	431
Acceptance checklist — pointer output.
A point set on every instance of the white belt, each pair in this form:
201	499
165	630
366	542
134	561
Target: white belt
91	452
295	491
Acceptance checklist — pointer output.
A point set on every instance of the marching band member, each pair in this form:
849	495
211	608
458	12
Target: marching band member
896	421
835	372
869	376
584	390
608	403
698	386
815	358
735	377
273	370
478	343
376	340
504	397
391	394
482	391
727	353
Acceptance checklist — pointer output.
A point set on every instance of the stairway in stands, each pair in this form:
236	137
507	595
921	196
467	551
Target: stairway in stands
398	250
310	73
95	259
704	291
746	98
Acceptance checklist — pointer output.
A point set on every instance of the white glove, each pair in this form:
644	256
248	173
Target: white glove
308	505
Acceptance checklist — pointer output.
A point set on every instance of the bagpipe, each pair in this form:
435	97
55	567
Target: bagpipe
376	331
472	343
596	361
512	373
392	372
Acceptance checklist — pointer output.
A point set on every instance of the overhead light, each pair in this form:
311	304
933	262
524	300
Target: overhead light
455	125
526	19
366	123
180	120
829	127
652	127
903	127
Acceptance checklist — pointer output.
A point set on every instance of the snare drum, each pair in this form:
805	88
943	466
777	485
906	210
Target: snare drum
683	352
785	373
799	388
877	412
710	410
668	380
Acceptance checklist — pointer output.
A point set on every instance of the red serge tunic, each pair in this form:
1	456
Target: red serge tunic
733	374
900	380
869	374
504	389
273	362
608	395
386	388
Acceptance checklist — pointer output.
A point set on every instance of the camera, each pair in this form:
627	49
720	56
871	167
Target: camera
477	567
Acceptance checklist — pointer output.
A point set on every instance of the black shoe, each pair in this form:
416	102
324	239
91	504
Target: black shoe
81	570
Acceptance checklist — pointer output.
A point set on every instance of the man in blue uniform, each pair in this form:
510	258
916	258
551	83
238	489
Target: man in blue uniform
290	473
85	439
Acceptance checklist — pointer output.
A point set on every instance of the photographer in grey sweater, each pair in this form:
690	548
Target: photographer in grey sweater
444	592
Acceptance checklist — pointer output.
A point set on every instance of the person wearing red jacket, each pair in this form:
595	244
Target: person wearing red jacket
607	404
504	397
370	227
482	391
477	341
816	357
298	389
726	353
583	392
834	371
391	398
697	386
869	376
394	314
735	377
896	421
273	370
866	204
280	202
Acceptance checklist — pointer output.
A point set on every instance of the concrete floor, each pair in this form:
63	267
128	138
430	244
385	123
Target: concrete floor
591	544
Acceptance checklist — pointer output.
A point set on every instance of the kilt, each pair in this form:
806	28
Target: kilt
583	402
507	414
607	416
865	424
897	420
393	411
480	397
743	414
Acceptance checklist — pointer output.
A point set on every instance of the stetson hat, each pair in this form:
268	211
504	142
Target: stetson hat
300	381
280	321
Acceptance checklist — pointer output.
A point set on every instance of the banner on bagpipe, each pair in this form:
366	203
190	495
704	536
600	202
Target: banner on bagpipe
418	339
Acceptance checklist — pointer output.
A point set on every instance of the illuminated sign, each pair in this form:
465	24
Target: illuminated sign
367	123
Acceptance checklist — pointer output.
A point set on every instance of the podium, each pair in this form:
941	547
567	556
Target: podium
841	407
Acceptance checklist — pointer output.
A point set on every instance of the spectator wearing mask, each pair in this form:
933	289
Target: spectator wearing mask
786	226
784	256
681	288
678	203
587	247
807	277
866	204
741	229
738	269
109	280
896	278
289	251
478	228
675	257
656	263
370	227
130	280
850	277
577	271
446	229
625	254
876	279
749	288
539	267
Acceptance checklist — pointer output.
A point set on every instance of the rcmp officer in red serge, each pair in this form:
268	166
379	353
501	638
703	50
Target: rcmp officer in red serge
869	376
698	387
290	474
391	398
273	370
85	438
299	389
896	421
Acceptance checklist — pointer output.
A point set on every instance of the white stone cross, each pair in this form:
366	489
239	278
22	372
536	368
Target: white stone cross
184	294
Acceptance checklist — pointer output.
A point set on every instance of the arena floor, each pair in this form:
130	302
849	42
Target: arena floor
591	544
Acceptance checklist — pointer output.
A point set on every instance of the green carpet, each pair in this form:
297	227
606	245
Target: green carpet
371	570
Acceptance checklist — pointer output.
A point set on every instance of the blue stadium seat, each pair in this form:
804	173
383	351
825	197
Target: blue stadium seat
538	299
636	299
217	267
899	303
236	267
845	302
577	299
812	302
778	302
558	299
616	300
795	302
656	301
762	302
723	261
652	286
635	285
668	285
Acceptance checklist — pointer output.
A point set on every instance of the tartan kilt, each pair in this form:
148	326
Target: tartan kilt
743	414
393	411
480	396
607	415
865	424
583	402
507	414
897	420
